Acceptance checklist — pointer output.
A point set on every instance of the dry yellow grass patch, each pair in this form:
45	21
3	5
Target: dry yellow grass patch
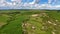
35	15
1	24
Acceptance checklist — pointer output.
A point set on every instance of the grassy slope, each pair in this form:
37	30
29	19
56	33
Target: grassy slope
55	15
14	27
50	27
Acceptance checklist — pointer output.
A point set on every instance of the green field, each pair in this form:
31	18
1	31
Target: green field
29	22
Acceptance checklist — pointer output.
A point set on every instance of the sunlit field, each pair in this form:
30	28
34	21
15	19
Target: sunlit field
29	22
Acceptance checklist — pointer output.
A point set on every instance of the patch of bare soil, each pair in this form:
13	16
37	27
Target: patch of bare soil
2	24
35	15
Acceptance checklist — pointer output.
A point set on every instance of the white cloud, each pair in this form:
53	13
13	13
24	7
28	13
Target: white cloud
13	0
30	5
33	2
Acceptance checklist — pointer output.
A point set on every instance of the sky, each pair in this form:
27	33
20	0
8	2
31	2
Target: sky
29	4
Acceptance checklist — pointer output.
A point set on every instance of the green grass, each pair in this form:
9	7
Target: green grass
3	18
13	27
54	15
14	21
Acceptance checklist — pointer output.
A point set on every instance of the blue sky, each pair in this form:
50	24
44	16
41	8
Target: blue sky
27	0
41	3
8	0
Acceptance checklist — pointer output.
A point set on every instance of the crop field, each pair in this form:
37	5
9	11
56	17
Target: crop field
29	22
